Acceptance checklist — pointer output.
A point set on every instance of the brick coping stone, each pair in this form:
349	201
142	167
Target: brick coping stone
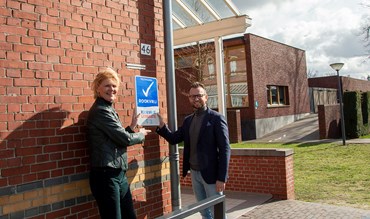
267	152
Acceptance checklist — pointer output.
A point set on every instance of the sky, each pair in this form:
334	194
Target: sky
328	30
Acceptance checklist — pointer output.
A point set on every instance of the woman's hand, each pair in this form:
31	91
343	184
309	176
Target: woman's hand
144	131
134	120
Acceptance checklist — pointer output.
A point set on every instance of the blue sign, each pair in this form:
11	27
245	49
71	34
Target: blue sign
256	104
147	104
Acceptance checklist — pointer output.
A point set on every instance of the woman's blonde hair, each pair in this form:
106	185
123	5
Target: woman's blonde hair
107	73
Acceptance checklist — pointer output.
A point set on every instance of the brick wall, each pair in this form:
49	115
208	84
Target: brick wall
273	63
349	84
50	53
268	171
329	121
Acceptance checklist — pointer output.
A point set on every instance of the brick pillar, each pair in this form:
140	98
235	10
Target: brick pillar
235	130
329	117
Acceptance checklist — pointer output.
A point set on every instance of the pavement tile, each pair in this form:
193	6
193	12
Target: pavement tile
293	209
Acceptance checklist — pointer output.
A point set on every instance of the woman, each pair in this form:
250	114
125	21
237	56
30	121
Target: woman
108	142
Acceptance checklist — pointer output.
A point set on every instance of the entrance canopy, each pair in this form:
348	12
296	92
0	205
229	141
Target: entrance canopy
188	21
197	20
200	20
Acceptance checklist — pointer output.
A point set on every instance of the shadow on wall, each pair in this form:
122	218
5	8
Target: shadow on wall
47	144
248	130
49	148
334	129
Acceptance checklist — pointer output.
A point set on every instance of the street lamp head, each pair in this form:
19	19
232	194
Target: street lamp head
336	66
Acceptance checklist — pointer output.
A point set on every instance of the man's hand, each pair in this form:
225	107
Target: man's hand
220	186
161	122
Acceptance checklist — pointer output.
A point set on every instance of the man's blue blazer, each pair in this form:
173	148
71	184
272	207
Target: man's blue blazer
213	149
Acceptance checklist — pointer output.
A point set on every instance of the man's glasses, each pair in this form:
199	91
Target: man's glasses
196	96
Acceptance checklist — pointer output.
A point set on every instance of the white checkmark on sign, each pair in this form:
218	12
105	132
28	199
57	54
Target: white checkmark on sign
147	90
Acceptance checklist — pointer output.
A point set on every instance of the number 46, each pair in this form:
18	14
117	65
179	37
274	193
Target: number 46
146	49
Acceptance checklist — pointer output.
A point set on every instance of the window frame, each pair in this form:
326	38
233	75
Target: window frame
280	99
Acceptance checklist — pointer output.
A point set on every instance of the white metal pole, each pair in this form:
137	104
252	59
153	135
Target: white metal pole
219	47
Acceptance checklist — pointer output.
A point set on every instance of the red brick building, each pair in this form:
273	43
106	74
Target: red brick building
349	84
265	80
324	101
324	90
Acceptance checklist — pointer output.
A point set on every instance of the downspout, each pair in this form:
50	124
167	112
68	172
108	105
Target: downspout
171	102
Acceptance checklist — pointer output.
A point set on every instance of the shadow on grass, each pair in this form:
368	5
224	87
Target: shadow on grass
311	143
305	144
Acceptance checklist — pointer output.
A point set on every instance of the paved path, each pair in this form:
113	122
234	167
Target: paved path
303	130
306	129
292	209
237	203
241	205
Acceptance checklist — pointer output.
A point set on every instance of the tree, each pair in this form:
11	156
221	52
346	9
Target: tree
192	63
193	60
365	28
311	74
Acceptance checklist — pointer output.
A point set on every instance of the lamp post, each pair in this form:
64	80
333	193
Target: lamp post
337	67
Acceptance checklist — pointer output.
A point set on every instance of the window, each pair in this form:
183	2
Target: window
211	67
277	95
235	61
233	66
238	97
183	62
212	102
237	101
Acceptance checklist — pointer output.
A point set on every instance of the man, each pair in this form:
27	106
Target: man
206	146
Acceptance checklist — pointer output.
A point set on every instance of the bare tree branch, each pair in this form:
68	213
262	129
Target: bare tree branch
365	28
192	62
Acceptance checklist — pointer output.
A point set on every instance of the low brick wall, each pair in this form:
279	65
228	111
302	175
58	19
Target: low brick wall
267	171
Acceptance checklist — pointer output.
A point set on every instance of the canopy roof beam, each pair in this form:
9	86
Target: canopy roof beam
178	21
224	27
195	17
232	7
211	10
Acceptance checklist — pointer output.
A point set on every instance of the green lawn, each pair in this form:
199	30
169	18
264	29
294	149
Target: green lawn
329	173
365	136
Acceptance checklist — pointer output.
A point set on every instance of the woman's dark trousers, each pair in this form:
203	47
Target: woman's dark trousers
112	193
